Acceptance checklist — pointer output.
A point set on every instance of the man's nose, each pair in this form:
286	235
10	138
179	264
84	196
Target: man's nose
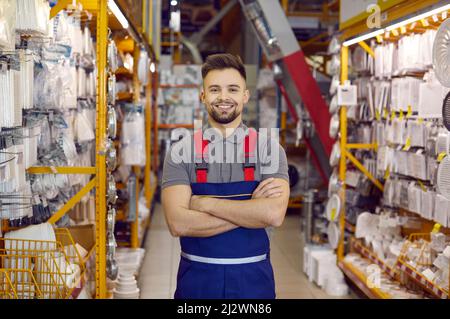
223	95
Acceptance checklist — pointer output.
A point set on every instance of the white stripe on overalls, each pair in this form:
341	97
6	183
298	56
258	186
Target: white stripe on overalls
224	261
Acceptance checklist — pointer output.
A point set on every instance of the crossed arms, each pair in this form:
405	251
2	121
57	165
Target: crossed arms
200	216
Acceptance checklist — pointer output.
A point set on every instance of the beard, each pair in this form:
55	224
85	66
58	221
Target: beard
223	116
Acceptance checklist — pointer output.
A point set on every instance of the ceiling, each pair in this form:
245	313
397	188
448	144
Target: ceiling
309	18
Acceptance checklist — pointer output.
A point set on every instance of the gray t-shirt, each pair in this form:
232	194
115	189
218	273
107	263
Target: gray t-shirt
179	167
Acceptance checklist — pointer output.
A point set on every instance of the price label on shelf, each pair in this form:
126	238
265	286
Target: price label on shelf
441	156
436	228
387	173
377	115
409	114
392	115
422	186
385	113
407	144
333	214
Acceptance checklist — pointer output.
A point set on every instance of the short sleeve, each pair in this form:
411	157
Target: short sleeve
174	173
275	163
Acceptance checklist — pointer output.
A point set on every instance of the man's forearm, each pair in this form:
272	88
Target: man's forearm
191	223
253	213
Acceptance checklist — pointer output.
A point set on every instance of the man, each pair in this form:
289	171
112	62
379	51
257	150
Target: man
219	206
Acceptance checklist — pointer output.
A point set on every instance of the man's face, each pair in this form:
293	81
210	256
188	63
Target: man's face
224	94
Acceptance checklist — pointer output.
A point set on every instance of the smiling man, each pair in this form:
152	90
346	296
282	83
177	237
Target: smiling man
221	199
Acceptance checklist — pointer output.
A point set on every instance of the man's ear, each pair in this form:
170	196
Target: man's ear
202	96
246	96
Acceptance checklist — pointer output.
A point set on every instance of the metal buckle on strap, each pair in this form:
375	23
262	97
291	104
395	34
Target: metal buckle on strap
224	261
201	166
248	164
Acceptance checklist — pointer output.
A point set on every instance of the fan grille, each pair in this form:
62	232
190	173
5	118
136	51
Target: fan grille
333	184
446	112
335	154
333	207
334	126
333	235
441	53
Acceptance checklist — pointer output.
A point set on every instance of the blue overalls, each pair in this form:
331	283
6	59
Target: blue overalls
231	265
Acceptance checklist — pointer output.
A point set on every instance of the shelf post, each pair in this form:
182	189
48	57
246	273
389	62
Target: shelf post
155	121
135	224
134	242
343	160
100	214
148	140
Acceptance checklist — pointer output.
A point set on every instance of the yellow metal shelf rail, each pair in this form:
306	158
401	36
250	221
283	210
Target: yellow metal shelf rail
100	9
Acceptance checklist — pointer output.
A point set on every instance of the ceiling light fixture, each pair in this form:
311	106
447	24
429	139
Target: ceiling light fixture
363	38
118	13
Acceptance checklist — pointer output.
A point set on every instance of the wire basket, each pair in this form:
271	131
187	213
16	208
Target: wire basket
35	269
416	256
416	250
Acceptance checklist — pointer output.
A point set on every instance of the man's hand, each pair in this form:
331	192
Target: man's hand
269	188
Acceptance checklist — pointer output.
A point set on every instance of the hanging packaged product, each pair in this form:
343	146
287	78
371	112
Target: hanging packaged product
335	46
335	65
441	212
347	94
24	80
32	16
8	110
431	95
83	128
360	60
7	24
132	137
47	80
143	67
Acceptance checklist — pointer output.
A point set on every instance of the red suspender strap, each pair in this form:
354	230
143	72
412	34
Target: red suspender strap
201	152
249	151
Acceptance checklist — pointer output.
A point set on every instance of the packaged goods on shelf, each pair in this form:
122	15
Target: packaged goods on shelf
412	53
401	97
390	288
132	139
187	74
33	16
7	24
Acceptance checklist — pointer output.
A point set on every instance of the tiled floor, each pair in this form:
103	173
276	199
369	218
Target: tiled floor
158	273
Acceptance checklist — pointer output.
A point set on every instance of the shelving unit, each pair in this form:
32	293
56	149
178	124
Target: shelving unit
401	269
368	254
419	279
360	280
143	175
99	9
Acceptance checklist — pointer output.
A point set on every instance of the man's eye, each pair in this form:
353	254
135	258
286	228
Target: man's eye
234	90
214	90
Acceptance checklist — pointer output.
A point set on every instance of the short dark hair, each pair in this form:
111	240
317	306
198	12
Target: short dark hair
223	61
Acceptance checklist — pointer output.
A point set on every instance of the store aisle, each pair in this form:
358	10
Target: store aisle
158	273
